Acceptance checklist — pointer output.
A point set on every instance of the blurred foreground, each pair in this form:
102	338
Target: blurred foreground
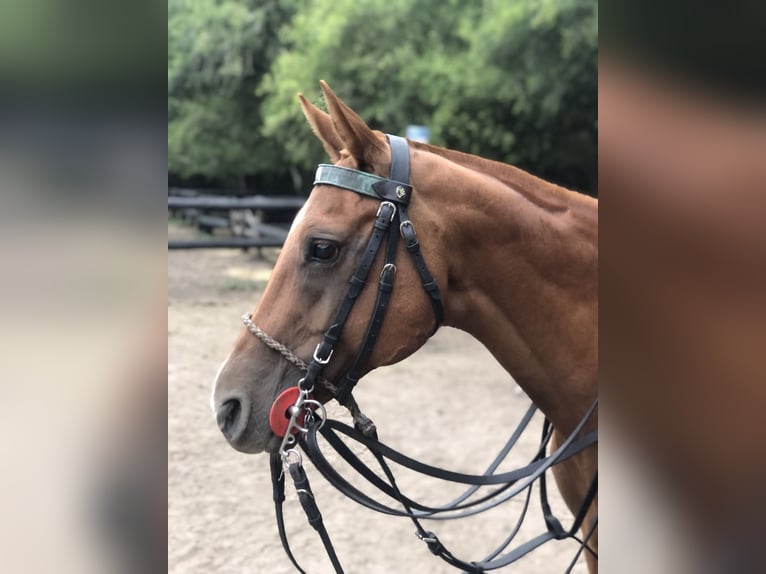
683	322
83	349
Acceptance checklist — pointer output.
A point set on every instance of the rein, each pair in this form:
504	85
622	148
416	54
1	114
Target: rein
293	413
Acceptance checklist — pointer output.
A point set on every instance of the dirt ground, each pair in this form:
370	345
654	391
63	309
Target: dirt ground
450	404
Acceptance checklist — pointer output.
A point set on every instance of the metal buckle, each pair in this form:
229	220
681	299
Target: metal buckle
393	212
387	266
320	360
403	224
428	538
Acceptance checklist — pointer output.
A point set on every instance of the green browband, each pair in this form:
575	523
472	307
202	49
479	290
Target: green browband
380	188
347	178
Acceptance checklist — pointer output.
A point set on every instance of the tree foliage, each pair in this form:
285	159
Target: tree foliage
509	80
218	52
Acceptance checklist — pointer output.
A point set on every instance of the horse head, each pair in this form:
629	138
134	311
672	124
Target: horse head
325	244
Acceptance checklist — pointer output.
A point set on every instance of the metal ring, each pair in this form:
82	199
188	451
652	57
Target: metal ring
300	429
323	418
294	425
322	408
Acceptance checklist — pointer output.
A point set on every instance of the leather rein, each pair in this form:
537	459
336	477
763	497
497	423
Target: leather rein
294	417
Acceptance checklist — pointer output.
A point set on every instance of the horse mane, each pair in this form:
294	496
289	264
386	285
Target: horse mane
542	193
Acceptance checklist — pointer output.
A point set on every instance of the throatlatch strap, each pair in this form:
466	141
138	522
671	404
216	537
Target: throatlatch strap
412	244
400	171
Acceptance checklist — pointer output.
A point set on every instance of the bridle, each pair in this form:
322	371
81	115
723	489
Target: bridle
394	193
294	411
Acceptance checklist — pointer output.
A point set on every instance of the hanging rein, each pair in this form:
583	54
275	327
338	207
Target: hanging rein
294	413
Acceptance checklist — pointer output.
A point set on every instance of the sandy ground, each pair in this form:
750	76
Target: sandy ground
450	404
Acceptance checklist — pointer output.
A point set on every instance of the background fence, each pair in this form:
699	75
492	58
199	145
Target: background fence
252	221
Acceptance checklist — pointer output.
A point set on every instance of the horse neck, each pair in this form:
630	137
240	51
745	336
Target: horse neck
522	273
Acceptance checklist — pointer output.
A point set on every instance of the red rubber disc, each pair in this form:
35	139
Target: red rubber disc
279	417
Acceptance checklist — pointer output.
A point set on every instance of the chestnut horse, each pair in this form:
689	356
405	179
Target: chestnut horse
515	259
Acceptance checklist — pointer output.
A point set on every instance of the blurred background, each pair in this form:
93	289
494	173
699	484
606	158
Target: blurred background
83	165
511	81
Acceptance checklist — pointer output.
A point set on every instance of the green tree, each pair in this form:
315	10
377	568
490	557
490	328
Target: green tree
218	51
513	81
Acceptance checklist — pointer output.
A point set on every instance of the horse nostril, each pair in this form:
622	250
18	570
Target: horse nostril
228	415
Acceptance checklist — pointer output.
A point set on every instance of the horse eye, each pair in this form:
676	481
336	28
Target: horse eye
323	250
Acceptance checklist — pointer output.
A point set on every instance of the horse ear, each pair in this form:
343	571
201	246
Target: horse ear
360	141
323	127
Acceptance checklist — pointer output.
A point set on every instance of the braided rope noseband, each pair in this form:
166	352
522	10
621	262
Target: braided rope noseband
362	422
291	357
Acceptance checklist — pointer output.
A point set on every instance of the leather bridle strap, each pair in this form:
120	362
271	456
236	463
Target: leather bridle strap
306	497
415	511
395	193
356	282
375	324
456	504
571	446
412	244
400	171
278	485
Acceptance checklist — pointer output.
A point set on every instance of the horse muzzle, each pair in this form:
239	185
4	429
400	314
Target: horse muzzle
244	428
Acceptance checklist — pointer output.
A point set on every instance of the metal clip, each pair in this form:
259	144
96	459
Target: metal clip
304	392
393	209
286	457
